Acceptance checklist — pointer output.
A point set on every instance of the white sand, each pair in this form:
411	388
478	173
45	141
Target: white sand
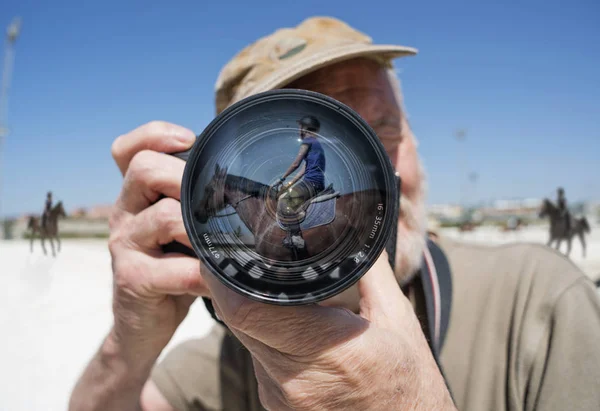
55	313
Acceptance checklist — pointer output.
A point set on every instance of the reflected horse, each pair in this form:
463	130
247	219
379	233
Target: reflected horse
558	227
256	205
50	228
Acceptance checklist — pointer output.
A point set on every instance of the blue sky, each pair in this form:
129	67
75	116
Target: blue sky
521	77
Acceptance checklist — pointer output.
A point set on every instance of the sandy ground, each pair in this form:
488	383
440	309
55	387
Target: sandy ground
55	313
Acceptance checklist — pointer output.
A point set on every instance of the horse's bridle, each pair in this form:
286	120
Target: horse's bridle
234	207
236	204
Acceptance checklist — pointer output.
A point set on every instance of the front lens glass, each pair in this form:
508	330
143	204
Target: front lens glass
303	239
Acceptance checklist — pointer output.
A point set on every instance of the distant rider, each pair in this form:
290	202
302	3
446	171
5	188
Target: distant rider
47	208
307	183
561	202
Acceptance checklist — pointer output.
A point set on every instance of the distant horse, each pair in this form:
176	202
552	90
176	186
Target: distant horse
50	228
467	226
512	225
256	205
558	227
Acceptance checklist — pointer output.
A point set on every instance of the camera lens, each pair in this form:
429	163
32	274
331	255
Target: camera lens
288	197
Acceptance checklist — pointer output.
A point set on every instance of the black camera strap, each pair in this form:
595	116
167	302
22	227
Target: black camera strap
435	282
391	244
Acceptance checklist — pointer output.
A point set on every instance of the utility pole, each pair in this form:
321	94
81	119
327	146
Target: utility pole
460	136
12	33
473	177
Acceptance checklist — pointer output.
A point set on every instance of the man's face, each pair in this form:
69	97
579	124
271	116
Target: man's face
365	86
302	133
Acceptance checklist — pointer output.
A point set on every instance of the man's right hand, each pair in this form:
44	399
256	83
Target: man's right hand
152	290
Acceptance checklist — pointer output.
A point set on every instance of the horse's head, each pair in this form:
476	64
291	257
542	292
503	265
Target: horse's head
213	198
585	225
546	207
60	210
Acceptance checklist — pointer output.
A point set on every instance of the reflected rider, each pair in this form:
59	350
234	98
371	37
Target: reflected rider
307	183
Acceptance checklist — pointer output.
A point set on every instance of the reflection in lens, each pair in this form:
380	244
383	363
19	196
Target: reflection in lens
288	197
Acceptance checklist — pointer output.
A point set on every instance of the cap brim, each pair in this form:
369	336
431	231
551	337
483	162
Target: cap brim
325	58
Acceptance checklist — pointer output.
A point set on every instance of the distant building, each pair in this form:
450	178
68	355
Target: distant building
78	213
517	204
100	212
445	212
527	208
498	210
433	224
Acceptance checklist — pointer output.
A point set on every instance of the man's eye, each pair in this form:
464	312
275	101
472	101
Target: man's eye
389	133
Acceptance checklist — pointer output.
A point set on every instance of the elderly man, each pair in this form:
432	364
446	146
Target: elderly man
485	328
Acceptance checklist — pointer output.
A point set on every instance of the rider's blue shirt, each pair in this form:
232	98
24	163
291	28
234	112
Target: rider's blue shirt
315	162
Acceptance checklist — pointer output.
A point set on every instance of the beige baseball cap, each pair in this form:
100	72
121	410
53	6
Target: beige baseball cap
289	53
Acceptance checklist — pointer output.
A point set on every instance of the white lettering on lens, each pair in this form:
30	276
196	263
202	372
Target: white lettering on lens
211	249
375	228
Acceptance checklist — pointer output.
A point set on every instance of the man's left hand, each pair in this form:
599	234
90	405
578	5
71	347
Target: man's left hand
316	357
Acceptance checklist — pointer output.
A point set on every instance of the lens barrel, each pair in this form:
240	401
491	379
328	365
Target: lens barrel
299	239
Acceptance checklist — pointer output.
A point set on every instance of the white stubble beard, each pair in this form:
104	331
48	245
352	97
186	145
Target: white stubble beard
412	227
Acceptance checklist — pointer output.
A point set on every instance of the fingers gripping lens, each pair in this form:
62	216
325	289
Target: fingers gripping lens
288	197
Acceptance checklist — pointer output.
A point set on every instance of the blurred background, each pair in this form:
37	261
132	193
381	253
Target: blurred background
503	99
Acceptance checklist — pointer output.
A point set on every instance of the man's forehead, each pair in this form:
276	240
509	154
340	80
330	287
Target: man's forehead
362	84
346	73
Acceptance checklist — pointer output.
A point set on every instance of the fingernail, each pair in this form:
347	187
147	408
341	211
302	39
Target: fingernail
186	136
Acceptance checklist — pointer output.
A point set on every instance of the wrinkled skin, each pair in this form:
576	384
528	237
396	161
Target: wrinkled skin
330	358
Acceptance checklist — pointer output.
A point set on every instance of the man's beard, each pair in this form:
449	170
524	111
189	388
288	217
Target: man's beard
411	239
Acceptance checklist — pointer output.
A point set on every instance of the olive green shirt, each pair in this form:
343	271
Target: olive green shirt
524	330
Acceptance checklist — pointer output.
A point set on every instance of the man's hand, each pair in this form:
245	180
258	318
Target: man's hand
152	290
315	357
